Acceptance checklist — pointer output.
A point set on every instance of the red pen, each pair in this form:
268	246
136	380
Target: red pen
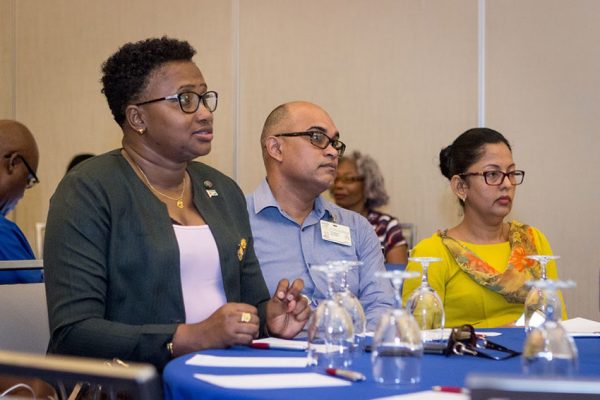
268	346
346	374
450	389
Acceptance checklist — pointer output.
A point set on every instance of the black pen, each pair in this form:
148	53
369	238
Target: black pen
346	374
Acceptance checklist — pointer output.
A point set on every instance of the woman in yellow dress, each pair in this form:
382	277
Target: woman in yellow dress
481	278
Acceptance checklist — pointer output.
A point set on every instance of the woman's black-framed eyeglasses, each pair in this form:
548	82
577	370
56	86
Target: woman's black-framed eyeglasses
318	139
496	177
190	101
348	179
32	178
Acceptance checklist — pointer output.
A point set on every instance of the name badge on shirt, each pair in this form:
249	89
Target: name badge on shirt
336	233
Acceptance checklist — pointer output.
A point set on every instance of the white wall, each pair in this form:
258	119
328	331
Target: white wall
399	78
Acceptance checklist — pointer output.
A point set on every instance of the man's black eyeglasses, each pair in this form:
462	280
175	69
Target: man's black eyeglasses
32	178
190	101
495	178
318	139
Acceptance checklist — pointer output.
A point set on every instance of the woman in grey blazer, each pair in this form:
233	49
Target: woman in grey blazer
132	234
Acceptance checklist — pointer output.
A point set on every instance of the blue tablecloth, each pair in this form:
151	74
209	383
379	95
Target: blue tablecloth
179	382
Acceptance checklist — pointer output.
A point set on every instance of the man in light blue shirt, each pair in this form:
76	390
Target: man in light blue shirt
294	227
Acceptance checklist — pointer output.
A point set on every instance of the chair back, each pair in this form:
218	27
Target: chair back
95	377
395	267
409	231
23	312
484	386
40	232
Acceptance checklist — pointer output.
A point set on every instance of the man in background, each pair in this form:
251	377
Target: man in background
294	227
18	165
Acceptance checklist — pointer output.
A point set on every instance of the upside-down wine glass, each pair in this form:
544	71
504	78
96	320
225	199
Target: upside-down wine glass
549	350
535	302
330	330
344	296
425	304
397	344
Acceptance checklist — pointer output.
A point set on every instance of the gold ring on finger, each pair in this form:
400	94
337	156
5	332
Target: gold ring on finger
246	317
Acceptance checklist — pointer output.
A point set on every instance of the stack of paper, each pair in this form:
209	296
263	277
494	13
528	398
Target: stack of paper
204	360
272	381
427	395
283	344
434	334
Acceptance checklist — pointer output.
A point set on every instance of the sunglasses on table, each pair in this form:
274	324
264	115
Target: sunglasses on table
465	341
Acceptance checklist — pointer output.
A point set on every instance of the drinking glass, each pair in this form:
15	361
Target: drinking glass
425	304
330	330
397	344
549	350
344	296
535	301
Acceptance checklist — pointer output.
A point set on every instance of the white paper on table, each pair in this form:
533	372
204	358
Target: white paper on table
581	327
537	318
427	395
433	334
272	381
295	344
488	334
204	360
430	335
284	343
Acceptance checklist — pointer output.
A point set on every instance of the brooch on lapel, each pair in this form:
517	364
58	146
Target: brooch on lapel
208	186
242	249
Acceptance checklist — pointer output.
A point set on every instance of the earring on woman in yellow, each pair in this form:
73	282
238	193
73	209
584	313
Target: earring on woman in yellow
141	131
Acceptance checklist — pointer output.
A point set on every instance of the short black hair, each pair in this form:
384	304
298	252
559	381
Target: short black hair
125	73
467	149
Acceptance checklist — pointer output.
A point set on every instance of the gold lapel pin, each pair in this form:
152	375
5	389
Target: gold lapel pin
241	249
209	187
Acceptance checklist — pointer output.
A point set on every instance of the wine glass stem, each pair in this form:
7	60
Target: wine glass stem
398	293
543	268
549	296
330	277
424	281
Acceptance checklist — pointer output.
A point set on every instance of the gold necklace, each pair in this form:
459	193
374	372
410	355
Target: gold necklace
179	199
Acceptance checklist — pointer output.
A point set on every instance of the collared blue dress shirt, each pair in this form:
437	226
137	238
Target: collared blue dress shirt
14	246
286	249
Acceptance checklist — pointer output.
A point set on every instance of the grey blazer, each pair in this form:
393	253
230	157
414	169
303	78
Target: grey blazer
112	260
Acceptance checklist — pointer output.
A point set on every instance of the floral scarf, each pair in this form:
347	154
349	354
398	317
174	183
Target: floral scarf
510	283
